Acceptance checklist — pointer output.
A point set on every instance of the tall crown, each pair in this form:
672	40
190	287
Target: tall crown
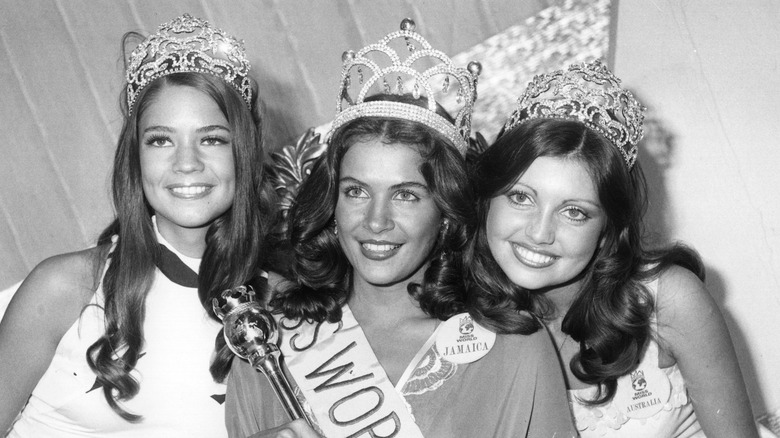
416	70
591	94
187	44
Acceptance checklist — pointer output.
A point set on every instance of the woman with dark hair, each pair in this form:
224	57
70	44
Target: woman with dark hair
375	331
560	201
192	210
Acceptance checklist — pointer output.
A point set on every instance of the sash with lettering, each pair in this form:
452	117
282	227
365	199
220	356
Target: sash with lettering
345	386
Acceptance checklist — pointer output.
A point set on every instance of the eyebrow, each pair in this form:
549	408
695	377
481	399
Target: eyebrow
524	186
405	184
201	130
586	201
595	204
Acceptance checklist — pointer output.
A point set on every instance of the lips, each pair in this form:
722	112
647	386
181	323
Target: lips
533	258
194	191
376	250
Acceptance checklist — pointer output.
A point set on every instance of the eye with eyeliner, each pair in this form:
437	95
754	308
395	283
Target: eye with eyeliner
354	191
581	215
156	140
406	196
518	198
215	140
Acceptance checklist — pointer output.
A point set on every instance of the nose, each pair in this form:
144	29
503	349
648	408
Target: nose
378	217
187	159
541	229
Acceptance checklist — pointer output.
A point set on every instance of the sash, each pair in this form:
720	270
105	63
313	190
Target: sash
344	384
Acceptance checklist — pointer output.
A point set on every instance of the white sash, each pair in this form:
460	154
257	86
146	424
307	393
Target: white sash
342	380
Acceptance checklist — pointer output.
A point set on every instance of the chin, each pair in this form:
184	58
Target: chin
531	282
385	277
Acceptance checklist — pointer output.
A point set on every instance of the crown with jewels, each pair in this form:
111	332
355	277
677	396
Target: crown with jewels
187	44
591	94
382	62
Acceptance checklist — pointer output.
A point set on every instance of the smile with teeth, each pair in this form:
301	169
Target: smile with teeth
532	258
379	247
189	190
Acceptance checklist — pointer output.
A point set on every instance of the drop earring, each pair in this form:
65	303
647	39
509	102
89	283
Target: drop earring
445	227
335	228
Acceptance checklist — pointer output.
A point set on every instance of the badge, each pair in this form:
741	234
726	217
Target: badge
461	340
642	393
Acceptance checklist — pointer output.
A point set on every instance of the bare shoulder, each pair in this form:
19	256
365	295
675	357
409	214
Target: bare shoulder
67	273
686	311
58	288
680	293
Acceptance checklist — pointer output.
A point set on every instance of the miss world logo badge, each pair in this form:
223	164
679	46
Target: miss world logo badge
643	392
461	340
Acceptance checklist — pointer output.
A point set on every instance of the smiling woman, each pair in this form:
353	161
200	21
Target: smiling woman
385	212
187	165
119	340
541	208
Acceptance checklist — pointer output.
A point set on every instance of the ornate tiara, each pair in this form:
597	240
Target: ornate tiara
591	94
415	67
187	44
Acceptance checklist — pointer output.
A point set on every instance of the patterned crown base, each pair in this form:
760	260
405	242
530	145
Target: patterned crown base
588	93
187	44
404	111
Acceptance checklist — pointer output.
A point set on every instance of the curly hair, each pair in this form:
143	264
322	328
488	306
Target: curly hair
610	315
320	266
235	249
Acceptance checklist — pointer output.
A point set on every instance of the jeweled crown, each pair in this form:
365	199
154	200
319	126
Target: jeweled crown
591	94
188	44
417	71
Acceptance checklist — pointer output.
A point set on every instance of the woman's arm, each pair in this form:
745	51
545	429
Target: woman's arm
692	329
45	306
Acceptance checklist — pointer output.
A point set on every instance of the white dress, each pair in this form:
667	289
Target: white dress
177	397
672	416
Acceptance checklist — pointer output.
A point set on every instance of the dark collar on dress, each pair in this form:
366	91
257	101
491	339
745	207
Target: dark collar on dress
176	270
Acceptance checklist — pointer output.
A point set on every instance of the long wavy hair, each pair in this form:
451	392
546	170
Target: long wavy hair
321	268
234	254
611	313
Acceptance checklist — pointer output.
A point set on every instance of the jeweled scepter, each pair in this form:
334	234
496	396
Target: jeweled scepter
251	333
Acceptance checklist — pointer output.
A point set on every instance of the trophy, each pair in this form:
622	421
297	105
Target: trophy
251	333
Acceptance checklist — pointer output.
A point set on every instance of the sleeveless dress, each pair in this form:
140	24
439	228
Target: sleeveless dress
177	397
640	407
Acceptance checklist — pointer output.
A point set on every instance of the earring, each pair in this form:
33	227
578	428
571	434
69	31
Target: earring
445	226
335	228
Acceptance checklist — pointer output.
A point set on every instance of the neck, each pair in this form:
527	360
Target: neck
190	242
372	304
562	297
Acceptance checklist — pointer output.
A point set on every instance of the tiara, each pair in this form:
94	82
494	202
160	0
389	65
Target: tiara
591	94
415	68
187	44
